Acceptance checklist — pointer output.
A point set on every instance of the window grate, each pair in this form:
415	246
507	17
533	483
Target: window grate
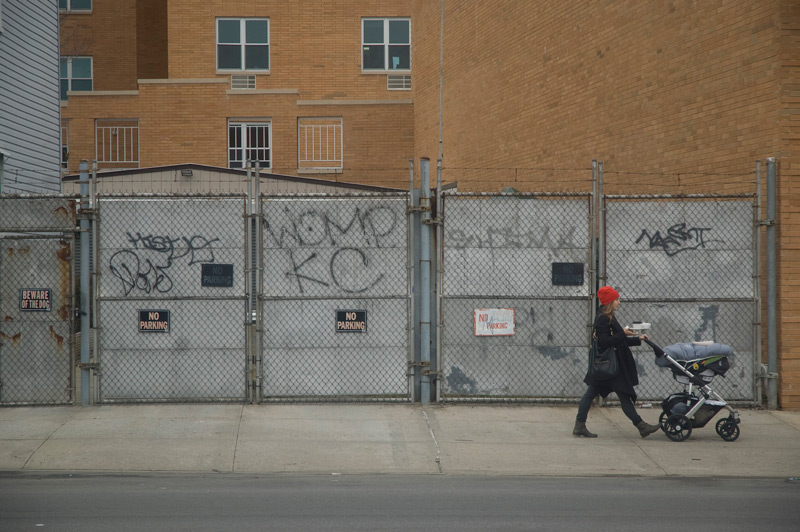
398	83
243	82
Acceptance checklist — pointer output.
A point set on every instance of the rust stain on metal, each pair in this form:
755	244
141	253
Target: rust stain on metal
8	318
64	277
15	340
58	338
62	213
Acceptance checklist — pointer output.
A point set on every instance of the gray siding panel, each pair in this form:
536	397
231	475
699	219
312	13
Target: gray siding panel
30	109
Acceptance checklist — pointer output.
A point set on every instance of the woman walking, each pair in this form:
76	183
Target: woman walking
610	333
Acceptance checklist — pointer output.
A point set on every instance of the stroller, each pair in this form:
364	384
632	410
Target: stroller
695	366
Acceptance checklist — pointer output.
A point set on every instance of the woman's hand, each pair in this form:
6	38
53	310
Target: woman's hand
628	332
644	337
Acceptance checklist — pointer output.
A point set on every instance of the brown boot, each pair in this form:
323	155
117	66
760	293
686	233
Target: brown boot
581	430
646	429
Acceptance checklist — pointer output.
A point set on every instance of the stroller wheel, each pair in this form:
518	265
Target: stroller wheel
677	427
728	429
662	420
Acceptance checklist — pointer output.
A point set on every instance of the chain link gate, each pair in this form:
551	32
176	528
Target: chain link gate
689	267
335	304
37	336
171	303
515	295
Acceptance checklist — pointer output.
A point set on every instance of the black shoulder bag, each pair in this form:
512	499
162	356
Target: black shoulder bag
603	365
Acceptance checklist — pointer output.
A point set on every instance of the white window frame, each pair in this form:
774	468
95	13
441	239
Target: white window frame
70	9
320	144
244	128
69	77
386	44
243	45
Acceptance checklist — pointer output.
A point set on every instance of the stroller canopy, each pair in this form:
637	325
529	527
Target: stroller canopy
686	351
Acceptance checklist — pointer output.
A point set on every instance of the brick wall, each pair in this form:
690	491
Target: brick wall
674	97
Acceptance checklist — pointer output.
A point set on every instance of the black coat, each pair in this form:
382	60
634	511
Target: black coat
611	334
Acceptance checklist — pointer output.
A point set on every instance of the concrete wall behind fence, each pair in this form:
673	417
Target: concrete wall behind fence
159	254
686	265
322	256
530	254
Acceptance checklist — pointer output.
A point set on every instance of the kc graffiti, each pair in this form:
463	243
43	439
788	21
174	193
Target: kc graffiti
679	238
145	266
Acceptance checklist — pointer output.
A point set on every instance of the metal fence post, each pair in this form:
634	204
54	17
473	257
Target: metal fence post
772	332
411	335
439	254
84	280
425	280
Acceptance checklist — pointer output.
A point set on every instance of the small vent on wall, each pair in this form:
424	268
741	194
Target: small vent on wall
398	83
243	82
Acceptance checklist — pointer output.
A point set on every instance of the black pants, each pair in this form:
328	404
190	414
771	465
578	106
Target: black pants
625	401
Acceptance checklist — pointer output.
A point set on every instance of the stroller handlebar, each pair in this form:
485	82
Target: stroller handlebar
657	350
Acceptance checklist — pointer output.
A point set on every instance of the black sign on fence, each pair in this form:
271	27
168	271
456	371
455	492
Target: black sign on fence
154	321
351	321
216	275
35	300
567	274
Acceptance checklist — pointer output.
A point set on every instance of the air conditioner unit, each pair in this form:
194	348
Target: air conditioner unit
398	83
243	82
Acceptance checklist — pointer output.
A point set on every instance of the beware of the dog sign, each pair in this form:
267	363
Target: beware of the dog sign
35	300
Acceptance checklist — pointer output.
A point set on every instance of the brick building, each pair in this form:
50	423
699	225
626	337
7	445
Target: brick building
294	84
674	97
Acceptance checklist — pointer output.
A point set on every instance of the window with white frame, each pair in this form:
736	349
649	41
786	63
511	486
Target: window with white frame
75	5
243	44
319	143
249	141
76	75
386	44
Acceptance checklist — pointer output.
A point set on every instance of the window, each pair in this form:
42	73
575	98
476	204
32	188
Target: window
243	44
319	143
76	75
117	143
75	5
385	44
249	141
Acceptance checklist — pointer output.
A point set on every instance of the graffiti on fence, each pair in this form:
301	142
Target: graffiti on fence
145	266
679	238
512	237
709	317
324	251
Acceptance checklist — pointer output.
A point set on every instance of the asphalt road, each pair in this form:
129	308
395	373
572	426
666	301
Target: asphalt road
293	503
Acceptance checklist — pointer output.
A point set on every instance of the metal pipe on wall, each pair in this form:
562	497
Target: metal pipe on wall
425	280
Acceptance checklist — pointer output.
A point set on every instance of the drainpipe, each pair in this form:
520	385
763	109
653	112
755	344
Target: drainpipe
84	279
425	280
772	330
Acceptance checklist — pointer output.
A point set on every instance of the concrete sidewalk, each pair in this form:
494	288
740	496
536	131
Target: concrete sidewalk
370	438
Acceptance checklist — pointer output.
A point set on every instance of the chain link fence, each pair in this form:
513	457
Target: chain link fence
335	305
689	267
37	336
171	299
516	295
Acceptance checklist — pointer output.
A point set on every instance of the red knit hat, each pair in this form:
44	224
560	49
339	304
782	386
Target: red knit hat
606	295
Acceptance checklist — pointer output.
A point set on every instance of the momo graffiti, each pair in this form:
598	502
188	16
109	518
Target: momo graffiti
347	248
